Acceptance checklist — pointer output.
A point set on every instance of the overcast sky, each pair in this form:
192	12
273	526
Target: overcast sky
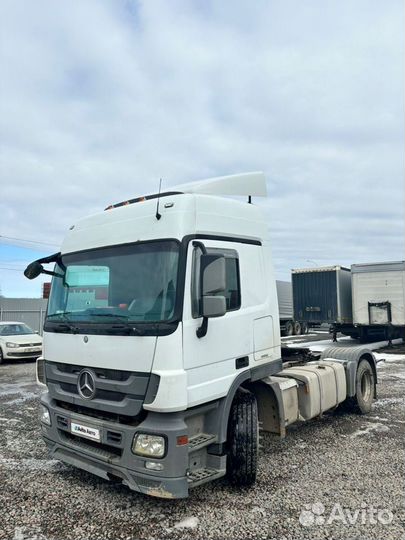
99	99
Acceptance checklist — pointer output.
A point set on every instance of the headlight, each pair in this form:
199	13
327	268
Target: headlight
41	373
11	345
45	416
149	445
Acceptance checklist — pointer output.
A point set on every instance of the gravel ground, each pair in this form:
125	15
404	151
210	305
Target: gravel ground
323	476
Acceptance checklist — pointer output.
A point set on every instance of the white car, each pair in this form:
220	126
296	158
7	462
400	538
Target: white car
17	340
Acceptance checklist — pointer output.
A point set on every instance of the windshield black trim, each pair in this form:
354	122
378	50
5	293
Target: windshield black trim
122	244
111	329
147	329
118	327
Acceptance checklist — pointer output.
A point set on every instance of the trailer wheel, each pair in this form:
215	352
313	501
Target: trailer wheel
297	328
243	439
288	328
361	403
304	328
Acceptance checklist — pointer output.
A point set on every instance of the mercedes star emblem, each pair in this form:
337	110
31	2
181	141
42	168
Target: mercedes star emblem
86	384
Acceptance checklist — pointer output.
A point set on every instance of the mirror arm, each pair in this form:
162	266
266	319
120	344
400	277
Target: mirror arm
50	273
51	258
200	245
202	330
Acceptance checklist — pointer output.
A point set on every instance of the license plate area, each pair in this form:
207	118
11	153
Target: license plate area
86	432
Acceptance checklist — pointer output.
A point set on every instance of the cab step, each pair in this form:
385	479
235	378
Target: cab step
200	476
200	441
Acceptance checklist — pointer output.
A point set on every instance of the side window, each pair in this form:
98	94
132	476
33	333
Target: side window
232	291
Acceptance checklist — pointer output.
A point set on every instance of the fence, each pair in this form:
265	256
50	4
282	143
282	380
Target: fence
34	318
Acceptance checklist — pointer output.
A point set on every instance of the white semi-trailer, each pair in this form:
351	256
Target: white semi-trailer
288	324
161	350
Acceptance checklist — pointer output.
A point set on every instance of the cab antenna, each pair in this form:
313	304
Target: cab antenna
158	215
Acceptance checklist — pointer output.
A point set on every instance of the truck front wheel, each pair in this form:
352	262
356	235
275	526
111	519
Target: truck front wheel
362	401
243	439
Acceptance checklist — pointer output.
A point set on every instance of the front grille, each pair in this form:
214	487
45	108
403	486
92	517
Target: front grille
30	344
62	422
114	437
23	354
100	394
102	373
103	415
117	393
103	450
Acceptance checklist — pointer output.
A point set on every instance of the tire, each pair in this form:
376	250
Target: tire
288	328
362	402
297	328
243	439
1	356
304	328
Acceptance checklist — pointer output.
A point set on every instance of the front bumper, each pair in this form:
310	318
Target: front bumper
20	353
112	458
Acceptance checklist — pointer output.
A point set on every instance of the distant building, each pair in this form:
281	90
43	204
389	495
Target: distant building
46	289
31	311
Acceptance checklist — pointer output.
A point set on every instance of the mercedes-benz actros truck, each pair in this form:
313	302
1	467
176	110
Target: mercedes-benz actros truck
161	345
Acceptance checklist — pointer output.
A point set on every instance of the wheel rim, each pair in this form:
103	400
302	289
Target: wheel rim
366	385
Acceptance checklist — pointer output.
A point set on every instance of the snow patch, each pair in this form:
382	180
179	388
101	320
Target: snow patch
12	421
302	336
187	523
31	464
377	427
24	397
390	358
389	401
11	389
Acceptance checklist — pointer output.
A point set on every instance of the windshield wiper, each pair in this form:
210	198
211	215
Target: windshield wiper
115	315
126	322
66	321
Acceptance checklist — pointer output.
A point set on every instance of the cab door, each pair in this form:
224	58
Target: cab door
213	361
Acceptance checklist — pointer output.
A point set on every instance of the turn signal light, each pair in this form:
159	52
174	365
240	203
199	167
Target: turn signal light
182	440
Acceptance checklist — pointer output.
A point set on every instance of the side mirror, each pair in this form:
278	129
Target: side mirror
213	306
212	284
213	274
213	281
33	270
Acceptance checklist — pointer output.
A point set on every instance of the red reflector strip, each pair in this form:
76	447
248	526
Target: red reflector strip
182	440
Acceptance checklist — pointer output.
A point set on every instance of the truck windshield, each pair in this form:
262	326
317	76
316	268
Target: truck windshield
134	282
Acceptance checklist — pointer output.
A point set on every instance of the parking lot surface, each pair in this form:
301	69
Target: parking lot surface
340	476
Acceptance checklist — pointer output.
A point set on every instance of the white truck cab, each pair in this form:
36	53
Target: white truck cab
161	347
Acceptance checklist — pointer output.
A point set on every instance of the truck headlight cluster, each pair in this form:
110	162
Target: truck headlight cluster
45	415
148	445
41	373
11	345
